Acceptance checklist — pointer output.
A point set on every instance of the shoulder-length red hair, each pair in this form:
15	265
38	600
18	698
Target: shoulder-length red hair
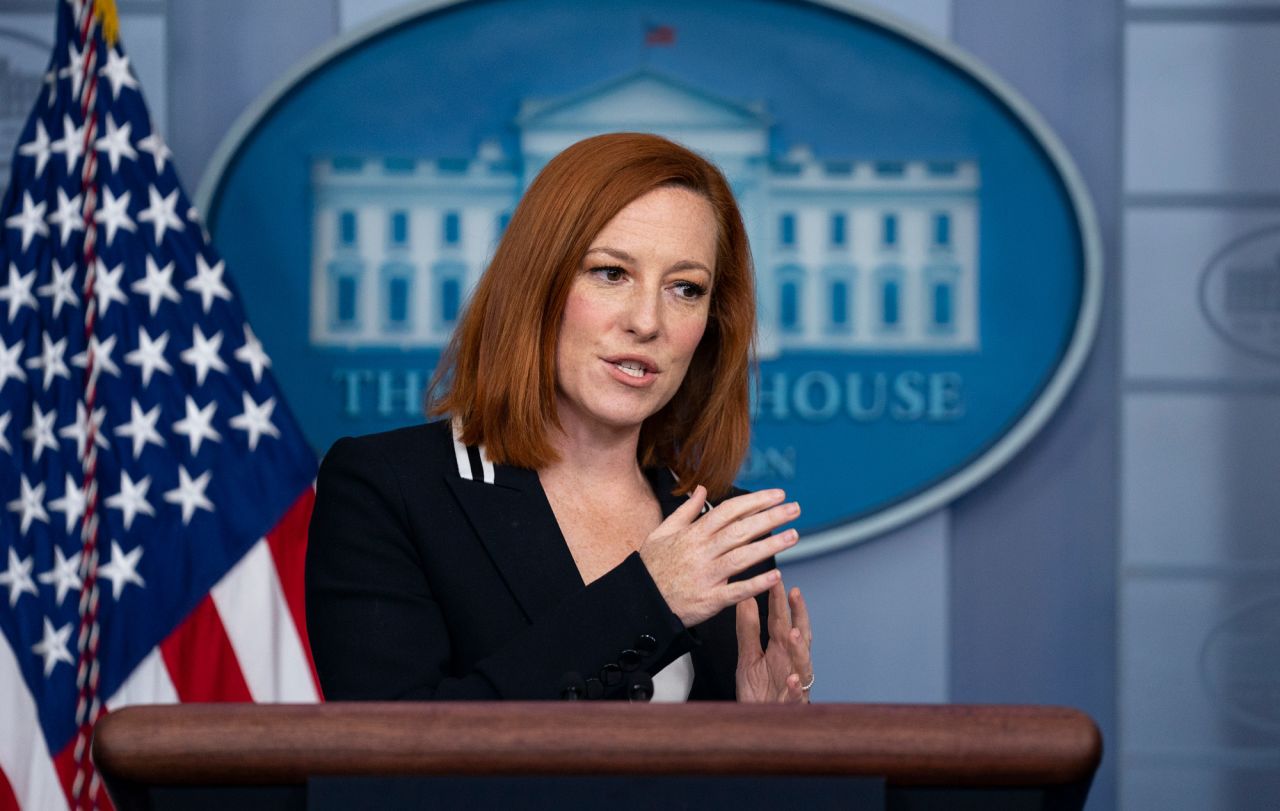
497	376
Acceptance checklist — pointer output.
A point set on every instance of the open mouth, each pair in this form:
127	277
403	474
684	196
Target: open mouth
632	367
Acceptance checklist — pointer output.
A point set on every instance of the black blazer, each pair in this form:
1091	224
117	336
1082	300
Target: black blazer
432	573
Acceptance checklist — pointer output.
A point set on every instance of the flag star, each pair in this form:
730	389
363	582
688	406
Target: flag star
102	361
203	354
197	426
79	430
141	428
74	69
17	291
149	356
71	144
53	647
4	431
157	285
17	577
30	502
68	217
51	79
208	282
160	212
62	288
117	73
256	419
116	143
252	354
71	505
122	569
114	214
106	286
50	359
131	500
38	147
155	146
190	494
40	432
65	574
9	365
30	220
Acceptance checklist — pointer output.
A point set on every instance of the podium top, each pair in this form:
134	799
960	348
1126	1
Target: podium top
908	745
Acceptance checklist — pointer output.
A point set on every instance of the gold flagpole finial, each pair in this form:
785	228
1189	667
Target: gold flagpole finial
109	19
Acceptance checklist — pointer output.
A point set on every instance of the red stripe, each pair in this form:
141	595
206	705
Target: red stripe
64	763
288	544
200	659
8	802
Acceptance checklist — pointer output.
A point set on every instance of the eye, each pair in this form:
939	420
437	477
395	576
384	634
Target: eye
609	273
689	290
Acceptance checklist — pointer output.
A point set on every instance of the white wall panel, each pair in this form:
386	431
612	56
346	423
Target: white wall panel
1195	786
1197	680
1199	481
1167	330
881	615
1203	4
1200	108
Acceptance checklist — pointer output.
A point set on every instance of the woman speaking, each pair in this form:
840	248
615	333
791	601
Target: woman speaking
569	529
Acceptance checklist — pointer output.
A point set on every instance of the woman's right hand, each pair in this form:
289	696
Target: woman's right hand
692	555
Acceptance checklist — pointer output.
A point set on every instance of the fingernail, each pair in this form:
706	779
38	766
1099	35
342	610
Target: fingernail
793	509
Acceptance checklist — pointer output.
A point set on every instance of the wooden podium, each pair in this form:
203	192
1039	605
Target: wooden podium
921	756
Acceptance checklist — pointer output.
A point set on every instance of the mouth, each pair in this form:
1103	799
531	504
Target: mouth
634	367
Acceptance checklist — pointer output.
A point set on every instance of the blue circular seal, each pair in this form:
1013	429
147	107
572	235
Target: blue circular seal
926	258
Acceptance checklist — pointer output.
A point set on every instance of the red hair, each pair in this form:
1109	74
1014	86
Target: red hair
497	376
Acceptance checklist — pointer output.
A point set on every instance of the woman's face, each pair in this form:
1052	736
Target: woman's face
636	312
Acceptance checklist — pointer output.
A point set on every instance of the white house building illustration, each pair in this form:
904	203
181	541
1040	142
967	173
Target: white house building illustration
850	255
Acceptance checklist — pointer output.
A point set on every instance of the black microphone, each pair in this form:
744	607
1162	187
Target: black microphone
639	686
572	686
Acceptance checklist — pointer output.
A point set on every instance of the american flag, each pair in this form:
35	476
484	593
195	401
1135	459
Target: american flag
154	488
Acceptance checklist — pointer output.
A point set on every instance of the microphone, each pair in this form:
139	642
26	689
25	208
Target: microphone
572	687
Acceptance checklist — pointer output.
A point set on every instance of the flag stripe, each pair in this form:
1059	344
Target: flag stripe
201	660
149	683
24	759
288	543
261	631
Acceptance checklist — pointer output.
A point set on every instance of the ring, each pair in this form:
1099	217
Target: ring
806	687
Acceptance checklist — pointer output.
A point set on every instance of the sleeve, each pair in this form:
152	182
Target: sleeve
377	632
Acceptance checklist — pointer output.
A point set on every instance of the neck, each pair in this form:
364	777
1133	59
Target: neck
592	453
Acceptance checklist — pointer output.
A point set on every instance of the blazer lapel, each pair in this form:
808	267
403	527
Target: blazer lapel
514	521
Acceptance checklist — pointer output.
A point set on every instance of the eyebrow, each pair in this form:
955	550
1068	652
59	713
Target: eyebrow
623	256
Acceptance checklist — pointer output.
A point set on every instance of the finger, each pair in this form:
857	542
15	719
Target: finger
800	616
801	661
748	631
730	510
744	557
754	526
779	614
795	693
688	512
749	588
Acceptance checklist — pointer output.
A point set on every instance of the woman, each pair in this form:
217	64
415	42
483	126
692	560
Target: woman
554	538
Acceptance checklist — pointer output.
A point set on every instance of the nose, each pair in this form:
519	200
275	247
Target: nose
644	313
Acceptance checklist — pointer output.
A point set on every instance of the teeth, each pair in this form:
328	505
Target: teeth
631	368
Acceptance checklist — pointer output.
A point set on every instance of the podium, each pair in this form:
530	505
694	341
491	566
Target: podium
562	754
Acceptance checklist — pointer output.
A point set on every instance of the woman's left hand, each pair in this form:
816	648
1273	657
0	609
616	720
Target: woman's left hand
782	673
